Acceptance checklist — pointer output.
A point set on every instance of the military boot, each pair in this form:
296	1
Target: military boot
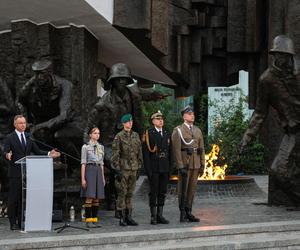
190	216
122	221
153	215
129	220
183	217
160	218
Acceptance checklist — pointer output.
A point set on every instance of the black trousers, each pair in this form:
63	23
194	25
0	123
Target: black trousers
158	189
15	201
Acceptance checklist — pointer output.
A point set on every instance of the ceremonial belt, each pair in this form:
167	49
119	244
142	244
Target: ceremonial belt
190	151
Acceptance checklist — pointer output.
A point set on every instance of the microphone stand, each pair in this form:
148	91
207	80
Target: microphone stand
51	147
66	223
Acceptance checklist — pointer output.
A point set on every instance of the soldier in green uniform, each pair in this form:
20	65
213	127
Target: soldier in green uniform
126	160
189	154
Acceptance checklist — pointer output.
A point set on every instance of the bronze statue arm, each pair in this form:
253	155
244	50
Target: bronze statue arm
65	110
7	102
259	115
152	94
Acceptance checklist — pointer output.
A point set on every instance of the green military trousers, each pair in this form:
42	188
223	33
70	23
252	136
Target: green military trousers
125	189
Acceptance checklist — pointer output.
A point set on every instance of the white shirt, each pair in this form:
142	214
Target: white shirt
158	130
19	135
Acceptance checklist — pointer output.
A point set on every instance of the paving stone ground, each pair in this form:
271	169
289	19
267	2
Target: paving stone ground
219	206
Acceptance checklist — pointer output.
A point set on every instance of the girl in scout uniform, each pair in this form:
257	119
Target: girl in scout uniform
92	175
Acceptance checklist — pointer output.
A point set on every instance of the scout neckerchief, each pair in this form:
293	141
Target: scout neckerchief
97	148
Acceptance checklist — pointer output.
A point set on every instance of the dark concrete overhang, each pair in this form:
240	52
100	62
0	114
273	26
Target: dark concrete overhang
97	17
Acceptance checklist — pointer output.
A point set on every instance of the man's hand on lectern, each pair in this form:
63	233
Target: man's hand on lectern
54	153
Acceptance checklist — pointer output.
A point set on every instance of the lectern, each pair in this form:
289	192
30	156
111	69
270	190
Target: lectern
37	193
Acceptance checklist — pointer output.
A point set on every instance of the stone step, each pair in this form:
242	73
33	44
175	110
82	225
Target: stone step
271	235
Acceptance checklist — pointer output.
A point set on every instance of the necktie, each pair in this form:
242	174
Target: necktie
160	132
23	141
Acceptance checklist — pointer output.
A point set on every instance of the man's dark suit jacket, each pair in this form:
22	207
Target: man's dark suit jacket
12	143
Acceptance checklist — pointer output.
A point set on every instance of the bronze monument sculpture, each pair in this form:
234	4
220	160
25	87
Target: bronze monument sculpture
279	88
7	111
46	99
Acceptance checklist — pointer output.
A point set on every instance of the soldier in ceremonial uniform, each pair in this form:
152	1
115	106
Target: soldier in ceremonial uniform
126	159
189	154
157	163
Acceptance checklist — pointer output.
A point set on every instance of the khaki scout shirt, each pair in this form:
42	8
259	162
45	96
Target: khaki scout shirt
127	151
182	159
92	154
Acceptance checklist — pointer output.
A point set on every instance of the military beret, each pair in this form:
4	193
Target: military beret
41	65
158	114
187	109
126	118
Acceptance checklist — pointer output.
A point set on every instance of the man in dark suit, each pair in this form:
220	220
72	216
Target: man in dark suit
17	145
157	163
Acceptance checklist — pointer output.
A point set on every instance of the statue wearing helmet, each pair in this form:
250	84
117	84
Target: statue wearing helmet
118	70
279	88
283	44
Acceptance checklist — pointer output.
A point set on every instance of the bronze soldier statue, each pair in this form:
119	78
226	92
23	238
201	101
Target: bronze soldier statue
124	96
126	159
46	99
7	111
157	164
189	154
279	88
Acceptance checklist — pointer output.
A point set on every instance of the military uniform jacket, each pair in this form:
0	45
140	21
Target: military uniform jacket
160	160
127	151
197	157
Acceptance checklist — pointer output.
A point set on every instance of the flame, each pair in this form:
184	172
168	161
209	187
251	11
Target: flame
212	171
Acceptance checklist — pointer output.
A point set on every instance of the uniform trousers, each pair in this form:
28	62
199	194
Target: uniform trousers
125	189
158	189
188	190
